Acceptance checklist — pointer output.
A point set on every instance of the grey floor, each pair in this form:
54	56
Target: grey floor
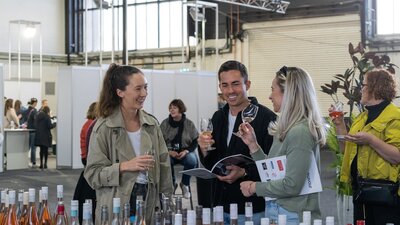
51	177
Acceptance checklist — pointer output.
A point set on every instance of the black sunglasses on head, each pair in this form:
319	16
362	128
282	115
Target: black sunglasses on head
283	71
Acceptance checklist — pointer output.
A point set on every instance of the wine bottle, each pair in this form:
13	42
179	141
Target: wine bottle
206	217
74	212
32	213
40	204
89	201
233	212
24	214
104	215
316	222
126	220
199	215
2	205
248	211
248	223
87	217
178	205
20	203
60	218
60	198
45	217
360	222
168	217
116	211
6	208
11	218
184	216
140	216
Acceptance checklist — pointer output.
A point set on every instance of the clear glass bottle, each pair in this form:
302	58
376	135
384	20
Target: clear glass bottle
40	204
248	211
89	201
140	214
104	215
199	214
61	218
6	208
206	216
126	220
11	218
233	214
116	211
20	203
24	214
178	205
87	217
45	217
74	212
32	213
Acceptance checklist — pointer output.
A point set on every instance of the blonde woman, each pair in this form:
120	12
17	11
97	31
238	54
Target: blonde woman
293	95
9	115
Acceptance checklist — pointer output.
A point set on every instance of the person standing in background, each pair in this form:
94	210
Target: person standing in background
43	137
234	84
19	110
10	120
84	136
127	152
32	111
180	135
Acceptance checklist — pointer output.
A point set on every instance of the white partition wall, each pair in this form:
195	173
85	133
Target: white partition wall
1	113
78	87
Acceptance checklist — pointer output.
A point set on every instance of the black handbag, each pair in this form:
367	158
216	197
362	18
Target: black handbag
379	192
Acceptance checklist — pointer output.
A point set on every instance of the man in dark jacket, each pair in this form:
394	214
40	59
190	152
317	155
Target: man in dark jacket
234	84
31	125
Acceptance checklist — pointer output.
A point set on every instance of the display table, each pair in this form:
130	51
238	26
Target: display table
16	148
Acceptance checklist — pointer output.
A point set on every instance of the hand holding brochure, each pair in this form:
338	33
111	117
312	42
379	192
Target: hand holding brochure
219	168
275	169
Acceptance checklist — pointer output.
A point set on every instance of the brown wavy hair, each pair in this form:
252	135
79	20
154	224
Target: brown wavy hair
117	77
381	84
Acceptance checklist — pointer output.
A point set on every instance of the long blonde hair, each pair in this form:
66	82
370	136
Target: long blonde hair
299	102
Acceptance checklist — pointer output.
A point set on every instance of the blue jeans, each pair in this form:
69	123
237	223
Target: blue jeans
32	147
241	218
189	162
273	209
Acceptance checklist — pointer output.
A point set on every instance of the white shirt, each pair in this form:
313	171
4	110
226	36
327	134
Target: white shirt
134	137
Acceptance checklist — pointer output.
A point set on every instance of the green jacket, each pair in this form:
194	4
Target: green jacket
298	146
110	145
369	163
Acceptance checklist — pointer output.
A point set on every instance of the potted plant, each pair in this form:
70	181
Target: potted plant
349	84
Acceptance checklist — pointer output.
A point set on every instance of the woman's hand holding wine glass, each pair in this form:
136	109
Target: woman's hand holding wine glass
248	115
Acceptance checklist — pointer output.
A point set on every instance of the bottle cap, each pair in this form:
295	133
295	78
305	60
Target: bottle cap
11	196
264	221
32	194
206	216
60	191
45	193
26	198
178	219
233	211
191	217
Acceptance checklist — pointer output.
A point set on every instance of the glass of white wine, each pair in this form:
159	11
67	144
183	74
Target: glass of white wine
206	128
248	115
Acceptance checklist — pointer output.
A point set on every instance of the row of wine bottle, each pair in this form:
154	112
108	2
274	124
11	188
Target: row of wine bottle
25	212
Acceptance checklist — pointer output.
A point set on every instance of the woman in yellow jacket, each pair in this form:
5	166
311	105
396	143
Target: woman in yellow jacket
371	146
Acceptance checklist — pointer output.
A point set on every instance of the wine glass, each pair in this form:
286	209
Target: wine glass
248	115
337	110
206	128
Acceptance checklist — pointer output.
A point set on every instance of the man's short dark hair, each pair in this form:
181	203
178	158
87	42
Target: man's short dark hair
233	65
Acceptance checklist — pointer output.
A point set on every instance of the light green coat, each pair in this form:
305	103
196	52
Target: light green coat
110	145
298	146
